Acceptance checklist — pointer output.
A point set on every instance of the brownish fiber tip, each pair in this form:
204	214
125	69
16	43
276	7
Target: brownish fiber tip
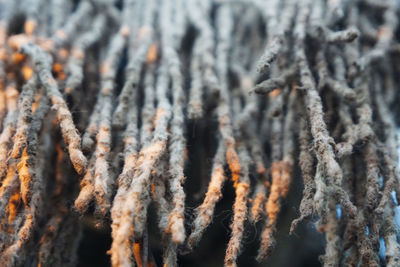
79	161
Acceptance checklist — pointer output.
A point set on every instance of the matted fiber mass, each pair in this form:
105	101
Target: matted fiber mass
179	132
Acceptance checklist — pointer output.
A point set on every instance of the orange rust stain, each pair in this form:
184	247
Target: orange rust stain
234	165
35	103
152	54
27	72
153	190
60	153
30	26
62	76
41	242
321	228
24	175
136	253
280	173
274	93
12	206
17	57
57	67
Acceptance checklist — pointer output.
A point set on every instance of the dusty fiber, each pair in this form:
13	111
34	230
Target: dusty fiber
180	127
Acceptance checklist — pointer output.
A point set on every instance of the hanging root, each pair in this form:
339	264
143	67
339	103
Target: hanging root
70	134
205	211
280	174
192	112
240	211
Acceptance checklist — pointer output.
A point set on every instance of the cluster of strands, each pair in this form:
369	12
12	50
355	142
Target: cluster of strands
104	91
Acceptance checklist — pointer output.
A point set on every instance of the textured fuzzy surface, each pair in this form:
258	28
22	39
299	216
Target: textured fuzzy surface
199	132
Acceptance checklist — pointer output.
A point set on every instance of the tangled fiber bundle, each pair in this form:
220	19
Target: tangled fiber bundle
128	113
